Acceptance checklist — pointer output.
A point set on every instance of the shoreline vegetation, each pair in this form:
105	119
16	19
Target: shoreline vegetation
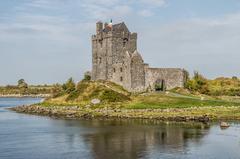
106	100
22	90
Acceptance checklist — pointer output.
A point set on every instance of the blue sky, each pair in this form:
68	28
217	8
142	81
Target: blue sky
48	41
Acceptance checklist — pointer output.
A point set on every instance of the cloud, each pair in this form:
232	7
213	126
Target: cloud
209	45
100	12
145	13
54	37
154	3
106	9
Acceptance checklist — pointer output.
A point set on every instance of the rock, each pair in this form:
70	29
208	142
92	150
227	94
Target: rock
224	125
87	106
95	101
203	119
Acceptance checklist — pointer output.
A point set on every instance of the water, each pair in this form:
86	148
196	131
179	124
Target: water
33	137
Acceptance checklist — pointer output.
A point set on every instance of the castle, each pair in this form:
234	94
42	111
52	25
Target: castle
115	58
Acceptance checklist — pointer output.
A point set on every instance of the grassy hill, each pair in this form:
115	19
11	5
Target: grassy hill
224	86
221	86
76	101
86	91
113	95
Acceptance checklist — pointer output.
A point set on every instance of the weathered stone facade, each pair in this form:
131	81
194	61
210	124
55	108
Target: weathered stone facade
115	58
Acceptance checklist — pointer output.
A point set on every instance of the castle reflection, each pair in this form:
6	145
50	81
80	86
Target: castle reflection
130	139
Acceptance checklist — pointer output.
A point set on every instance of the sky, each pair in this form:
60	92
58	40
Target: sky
48	41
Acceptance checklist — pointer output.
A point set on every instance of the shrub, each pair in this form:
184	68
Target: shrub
73	95
112	96
198	83
87	77
69	86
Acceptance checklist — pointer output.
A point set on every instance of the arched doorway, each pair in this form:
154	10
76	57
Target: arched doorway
159	85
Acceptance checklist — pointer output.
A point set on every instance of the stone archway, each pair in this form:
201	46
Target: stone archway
159	85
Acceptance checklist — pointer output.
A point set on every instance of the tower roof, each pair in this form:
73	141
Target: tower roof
117	27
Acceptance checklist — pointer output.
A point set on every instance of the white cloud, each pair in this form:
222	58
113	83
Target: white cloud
210	45
145	13
102	2
62	41
105	13
154	3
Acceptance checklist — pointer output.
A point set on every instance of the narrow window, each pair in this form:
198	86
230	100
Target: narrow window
114	70
124	43
100	60
125	40
121	78
121	70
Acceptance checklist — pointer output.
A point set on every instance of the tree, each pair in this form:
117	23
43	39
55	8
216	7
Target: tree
22	83
198	83
56	90
23	86
234	78
87	76
69	86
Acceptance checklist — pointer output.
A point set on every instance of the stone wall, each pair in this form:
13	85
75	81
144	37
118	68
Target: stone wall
137	72
172	77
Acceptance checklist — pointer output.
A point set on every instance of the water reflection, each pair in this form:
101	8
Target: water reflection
27	136
133	139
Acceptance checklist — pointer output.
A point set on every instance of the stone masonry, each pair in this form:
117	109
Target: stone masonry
115	58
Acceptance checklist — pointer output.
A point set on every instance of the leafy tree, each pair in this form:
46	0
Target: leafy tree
87	76
56	90
22	84
234	78
198	84
69	86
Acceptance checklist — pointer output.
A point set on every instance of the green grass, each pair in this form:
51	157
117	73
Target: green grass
112	95
107	92
162	101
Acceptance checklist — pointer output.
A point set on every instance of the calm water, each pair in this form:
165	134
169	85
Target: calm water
32	137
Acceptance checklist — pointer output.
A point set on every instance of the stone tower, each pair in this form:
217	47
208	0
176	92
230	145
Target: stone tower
115	58
112	49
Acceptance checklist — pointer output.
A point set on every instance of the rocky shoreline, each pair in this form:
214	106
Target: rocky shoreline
75	112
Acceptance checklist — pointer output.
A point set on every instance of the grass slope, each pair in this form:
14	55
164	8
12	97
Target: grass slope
107	92
163	101
114	95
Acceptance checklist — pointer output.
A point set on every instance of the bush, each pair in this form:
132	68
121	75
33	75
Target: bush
69	86
112	96
198	84
57	90
87	77
73	95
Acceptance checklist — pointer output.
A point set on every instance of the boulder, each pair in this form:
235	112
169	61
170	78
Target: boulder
95	101
224	125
